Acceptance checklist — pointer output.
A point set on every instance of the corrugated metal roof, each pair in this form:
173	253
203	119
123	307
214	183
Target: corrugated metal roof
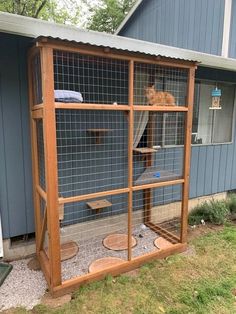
128	16
29	27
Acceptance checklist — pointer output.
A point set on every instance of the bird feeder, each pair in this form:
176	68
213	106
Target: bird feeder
216	99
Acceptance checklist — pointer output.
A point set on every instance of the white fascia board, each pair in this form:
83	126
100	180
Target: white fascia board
128	16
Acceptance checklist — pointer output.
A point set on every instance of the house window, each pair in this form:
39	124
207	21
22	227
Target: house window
212	126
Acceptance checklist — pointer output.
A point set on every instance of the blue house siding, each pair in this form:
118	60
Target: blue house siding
16	204
213	167
190	24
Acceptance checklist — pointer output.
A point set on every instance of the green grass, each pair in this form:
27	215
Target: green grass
195	284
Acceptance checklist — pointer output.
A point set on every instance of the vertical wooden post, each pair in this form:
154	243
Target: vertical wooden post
50	148
130	156
187	155
34	154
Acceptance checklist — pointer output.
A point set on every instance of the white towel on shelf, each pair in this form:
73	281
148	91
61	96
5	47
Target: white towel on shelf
67	96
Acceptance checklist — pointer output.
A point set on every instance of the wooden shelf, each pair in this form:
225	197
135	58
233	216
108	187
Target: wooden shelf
87	106
144	150
98	133
160	108
149	176
97	205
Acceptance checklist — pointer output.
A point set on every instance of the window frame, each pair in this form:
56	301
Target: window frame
233	118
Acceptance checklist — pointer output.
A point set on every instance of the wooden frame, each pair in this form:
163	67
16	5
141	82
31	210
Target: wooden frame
50	264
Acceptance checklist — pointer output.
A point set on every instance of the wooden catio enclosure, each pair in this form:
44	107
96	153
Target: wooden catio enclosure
111	135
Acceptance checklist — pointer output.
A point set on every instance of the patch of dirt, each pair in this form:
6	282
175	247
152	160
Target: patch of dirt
33	264
189	252
200	230
233	292
48	300
133	273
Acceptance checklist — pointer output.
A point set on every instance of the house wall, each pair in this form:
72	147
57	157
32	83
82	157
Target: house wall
213	167
16	205
190	24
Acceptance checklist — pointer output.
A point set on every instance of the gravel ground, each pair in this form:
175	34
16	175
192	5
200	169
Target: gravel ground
23	287
93	249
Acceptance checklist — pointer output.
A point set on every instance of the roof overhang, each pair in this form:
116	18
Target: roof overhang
34	28
128	16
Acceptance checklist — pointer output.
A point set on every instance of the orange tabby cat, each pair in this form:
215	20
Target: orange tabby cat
156	98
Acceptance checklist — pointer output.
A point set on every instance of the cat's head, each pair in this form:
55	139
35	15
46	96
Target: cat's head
150	91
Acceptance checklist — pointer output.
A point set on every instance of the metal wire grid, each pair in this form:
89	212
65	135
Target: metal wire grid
158	146
40	149
160	207
42	207
99	80
91	151
37	79
88	228
163	79
43	210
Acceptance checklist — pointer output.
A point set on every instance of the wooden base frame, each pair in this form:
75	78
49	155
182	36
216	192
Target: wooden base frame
70	285
46	111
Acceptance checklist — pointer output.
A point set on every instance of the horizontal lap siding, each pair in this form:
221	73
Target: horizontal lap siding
190	24
15	161
213	167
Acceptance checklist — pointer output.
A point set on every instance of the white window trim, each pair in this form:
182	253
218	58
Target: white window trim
226	29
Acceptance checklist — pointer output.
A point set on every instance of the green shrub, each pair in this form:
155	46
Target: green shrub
215	212
231	202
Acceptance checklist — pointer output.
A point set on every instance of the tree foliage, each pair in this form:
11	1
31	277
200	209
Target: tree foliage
107	16
66	11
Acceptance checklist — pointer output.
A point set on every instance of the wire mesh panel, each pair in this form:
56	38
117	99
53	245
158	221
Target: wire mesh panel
158	146
44	231
99	227
156	218
36	79
81	78
92	151
40	150
159	86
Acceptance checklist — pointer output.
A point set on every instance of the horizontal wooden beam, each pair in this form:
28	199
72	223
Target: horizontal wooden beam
79	198
85	106
116	54
161	108
72	284
157	185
